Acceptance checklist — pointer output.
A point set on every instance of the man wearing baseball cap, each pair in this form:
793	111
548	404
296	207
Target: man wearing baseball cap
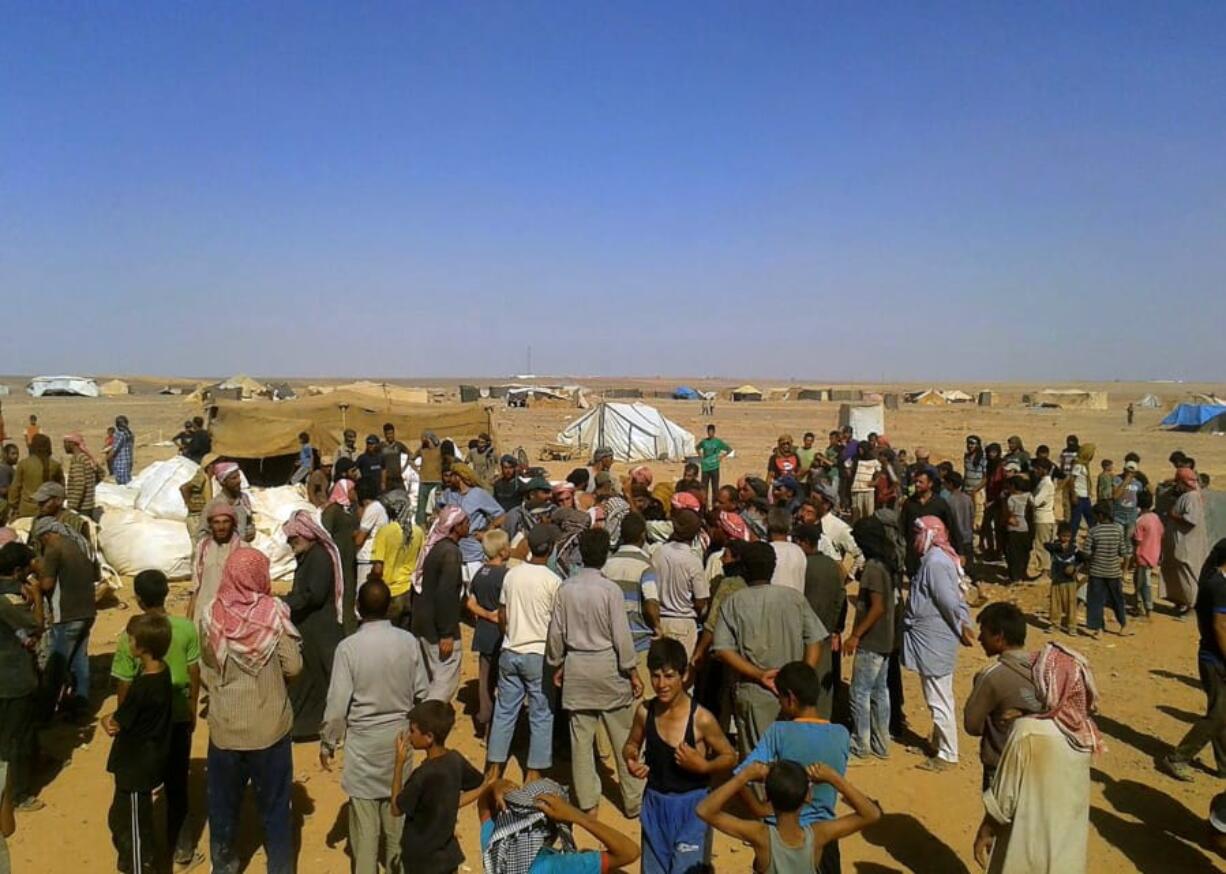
50	499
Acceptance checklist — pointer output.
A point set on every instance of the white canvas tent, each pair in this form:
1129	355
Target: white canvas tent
635	432
864	420
70	386
956	396
1149	402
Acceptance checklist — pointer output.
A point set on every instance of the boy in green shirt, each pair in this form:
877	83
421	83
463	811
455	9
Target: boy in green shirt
713	451
183	661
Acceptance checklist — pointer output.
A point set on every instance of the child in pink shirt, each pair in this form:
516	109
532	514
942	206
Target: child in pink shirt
1148	540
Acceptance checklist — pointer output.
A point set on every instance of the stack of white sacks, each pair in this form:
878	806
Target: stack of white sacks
144	526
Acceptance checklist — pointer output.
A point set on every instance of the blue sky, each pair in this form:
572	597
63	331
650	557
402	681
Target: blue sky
846	191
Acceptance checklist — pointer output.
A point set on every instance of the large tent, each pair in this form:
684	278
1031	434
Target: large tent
747	393
956	396
62	386
927	398
265	429
1197	417
635	432
1071	398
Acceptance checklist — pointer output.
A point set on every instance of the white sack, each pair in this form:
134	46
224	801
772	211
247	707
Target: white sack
114	496
133	541
159	487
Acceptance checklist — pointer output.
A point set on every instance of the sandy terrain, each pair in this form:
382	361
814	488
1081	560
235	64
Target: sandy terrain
1140	820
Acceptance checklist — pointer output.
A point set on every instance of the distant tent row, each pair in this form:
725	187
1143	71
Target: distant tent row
1197	417
936	397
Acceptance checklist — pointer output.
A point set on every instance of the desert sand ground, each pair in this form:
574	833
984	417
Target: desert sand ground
1140	820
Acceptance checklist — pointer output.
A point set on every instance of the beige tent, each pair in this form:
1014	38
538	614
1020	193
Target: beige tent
777	394
747	393
928	398
956	396
114	388
264	429
1071	398
387	392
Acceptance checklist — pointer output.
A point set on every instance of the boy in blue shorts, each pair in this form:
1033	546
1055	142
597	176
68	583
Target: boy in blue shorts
801	735
681	745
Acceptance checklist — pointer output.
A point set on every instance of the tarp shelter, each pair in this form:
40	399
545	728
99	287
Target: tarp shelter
812	394
113	388
985	399
244	385
928	398
1149	402
469	394
864	420
264	429
635	432
957	396
385	392
1197	417
170	390
1211	399
746	393
846	394
778	394
1071	398
62	386
890	400
685	393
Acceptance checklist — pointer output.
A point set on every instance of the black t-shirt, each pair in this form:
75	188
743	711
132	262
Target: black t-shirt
876	577
139	751
391	462
1210	601
487	587
369	483
506	492
430	801
72	598
914	509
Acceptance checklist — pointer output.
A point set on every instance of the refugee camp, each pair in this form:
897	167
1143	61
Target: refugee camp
663	438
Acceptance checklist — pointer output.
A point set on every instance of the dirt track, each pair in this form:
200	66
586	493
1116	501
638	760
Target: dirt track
1140	820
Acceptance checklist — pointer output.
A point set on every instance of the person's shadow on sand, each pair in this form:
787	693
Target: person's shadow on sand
1168	836
914	847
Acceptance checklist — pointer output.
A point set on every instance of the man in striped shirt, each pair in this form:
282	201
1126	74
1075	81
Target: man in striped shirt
1107	546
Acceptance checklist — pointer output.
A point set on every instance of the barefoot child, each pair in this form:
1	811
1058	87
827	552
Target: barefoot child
436	790
684	746
787	847
141	727
1065	559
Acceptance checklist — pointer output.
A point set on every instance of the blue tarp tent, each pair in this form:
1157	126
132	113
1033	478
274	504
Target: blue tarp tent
685	393
1196	417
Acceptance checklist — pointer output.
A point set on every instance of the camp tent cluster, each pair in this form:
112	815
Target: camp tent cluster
635	432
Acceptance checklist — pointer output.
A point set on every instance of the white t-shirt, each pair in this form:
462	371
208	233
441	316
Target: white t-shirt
374	517
528	593
1081	481
790	561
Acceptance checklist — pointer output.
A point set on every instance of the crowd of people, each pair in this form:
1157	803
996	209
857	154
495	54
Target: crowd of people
692	632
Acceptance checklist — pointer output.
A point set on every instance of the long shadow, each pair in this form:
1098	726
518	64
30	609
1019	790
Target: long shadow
1181	715
913	846
340	832
875	868
1167	835
1183	678
1143	743
250	837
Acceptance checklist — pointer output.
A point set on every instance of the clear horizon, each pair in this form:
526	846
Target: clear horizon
975	193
